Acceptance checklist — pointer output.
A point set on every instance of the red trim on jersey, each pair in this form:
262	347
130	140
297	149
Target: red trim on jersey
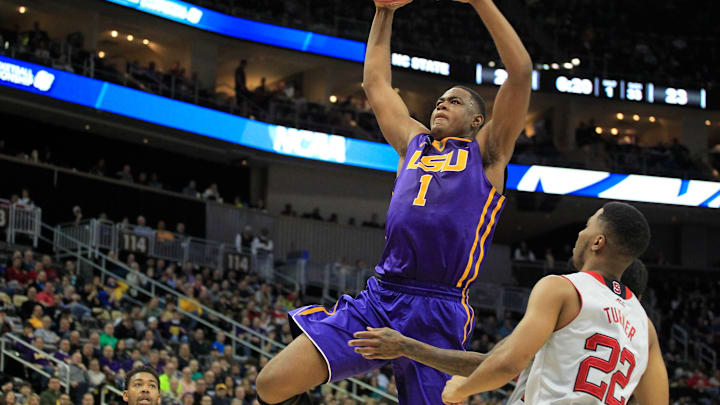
581	304
599	277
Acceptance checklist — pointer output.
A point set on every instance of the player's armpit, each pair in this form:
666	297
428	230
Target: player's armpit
508	116
547	300
653	387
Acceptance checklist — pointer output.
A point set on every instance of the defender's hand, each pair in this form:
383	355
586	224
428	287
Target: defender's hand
450	394
378	343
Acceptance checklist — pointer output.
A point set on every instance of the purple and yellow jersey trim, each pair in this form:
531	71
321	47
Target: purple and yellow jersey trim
442	216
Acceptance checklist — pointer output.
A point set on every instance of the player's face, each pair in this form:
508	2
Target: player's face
453	114
142	390
582	244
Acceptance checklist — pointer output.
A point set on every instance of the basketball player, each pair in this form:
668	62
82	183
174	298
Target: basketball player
388	344
142	387
591	340
447	199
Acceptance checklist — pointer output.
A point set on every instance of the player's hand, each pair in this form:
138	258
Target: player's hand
378	343
450	394
394	5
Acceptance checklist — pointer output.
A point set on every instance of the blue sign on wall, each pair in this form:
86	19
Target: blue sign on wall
333	148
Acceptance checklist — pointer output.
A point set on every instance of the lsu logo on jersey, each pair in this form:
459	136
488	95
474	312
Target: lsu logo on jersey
439	163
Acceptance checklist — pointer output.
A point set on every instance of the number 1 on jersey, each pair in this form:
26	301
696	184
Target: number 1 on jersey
424	183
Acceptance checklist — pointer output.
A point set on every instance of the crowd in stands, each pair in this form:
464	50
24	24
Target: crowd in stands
619	39
283	102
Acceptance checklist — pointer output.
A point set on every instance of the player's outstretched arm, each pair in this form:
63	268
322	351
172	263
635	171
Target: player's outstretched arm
653	387
389	344
513	98
539	322
390	111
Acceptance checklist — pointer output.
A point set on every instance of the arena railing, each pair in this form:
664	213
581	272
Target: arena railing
18	219
680	335
706	355
95	234
6	350
156	287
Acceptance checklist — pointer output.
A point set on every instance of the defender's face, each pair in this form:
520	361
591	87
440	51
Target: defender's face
582	244
452	115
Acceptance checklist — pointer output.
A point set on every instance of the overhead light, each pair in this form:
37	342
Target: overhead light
614	131
575	61
145	141
22	9
101	54
555	66
598	130
636	117
130	37
545	66
333	99
620	116
568	65
491	63
708	122
114	34
146	41
651	118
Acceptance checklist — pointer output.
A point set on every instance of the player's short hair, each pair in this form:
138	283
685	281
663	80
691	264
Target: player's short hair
142	369
480	106
627	227
635	277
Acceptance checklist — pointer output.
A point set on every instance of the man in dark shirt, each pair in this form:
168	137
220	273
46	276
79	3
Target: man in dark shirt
198	345
26	309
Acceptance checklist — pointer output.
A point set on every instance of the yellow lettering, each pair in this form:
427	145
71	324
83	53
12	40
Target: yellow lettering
441	163
414	160
460	163
433	163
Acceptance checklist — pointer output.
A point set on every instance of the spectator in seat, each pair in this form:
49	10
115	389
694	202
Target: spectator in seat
168	376
88	399
77	214
108	362
212	194
125	174
221	397
25	200
52	394
200	390
191	189
36	318
99	168
243	241
16	276
262	244
187	385
28	260
241	90
180	229
53	273
39	358
27	307
373	222
96	377
219	343
47	296
199	346
142	228
78	377
107	338
522	252
63	352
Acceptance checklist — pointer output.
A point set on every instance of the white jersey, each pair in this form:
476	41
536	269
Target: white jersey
599	357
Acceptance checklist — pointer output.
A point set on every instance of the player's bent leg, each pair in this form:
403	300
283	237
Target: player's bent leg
296	369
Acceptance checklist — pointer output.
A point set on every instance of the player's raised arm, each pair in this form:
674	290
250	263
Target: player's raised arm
502	365
653	387
390	111
513	98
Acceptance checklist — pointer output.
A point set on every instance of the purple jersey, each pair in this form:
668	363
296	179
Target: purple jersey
442	214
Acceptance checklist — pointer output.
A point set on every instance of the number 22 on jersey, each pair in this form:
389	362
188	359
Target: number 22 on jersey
424	184
605	366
